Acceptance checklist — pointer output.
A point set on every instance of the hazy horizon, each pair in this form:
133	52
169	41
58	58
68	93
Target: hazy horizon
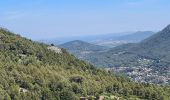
41	19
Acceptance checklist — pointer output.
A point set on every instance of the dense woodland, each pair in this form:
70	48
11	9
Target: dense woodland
30	71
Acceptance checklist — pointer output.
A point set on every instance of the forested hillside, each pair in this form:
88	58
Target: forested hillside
35	71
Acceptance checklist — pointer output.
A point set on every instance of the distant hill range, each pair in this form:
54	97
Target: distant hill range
109	40
84	50
112	41
81	49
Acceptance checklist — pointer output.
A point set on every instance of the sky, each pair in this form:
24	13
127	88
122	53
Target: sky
41	19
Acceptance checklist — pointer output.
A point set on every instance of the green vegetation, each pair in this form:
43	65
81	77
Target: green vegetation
31	71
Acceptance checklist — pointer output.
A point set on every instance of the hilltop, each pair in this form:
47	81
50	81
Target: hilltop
82	46
81	49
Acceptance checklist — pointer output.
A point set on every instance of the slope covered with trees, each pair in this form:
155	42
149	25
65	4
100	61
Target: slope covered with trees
31	71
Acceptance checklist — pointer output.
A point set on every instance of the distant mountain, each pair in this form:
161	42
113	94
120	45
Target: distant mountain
81	49
81	45
87	38
136	37
153	52
133	37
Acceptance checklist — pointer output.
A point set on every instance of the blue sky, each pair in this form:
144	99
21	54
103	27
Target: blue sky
40	19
